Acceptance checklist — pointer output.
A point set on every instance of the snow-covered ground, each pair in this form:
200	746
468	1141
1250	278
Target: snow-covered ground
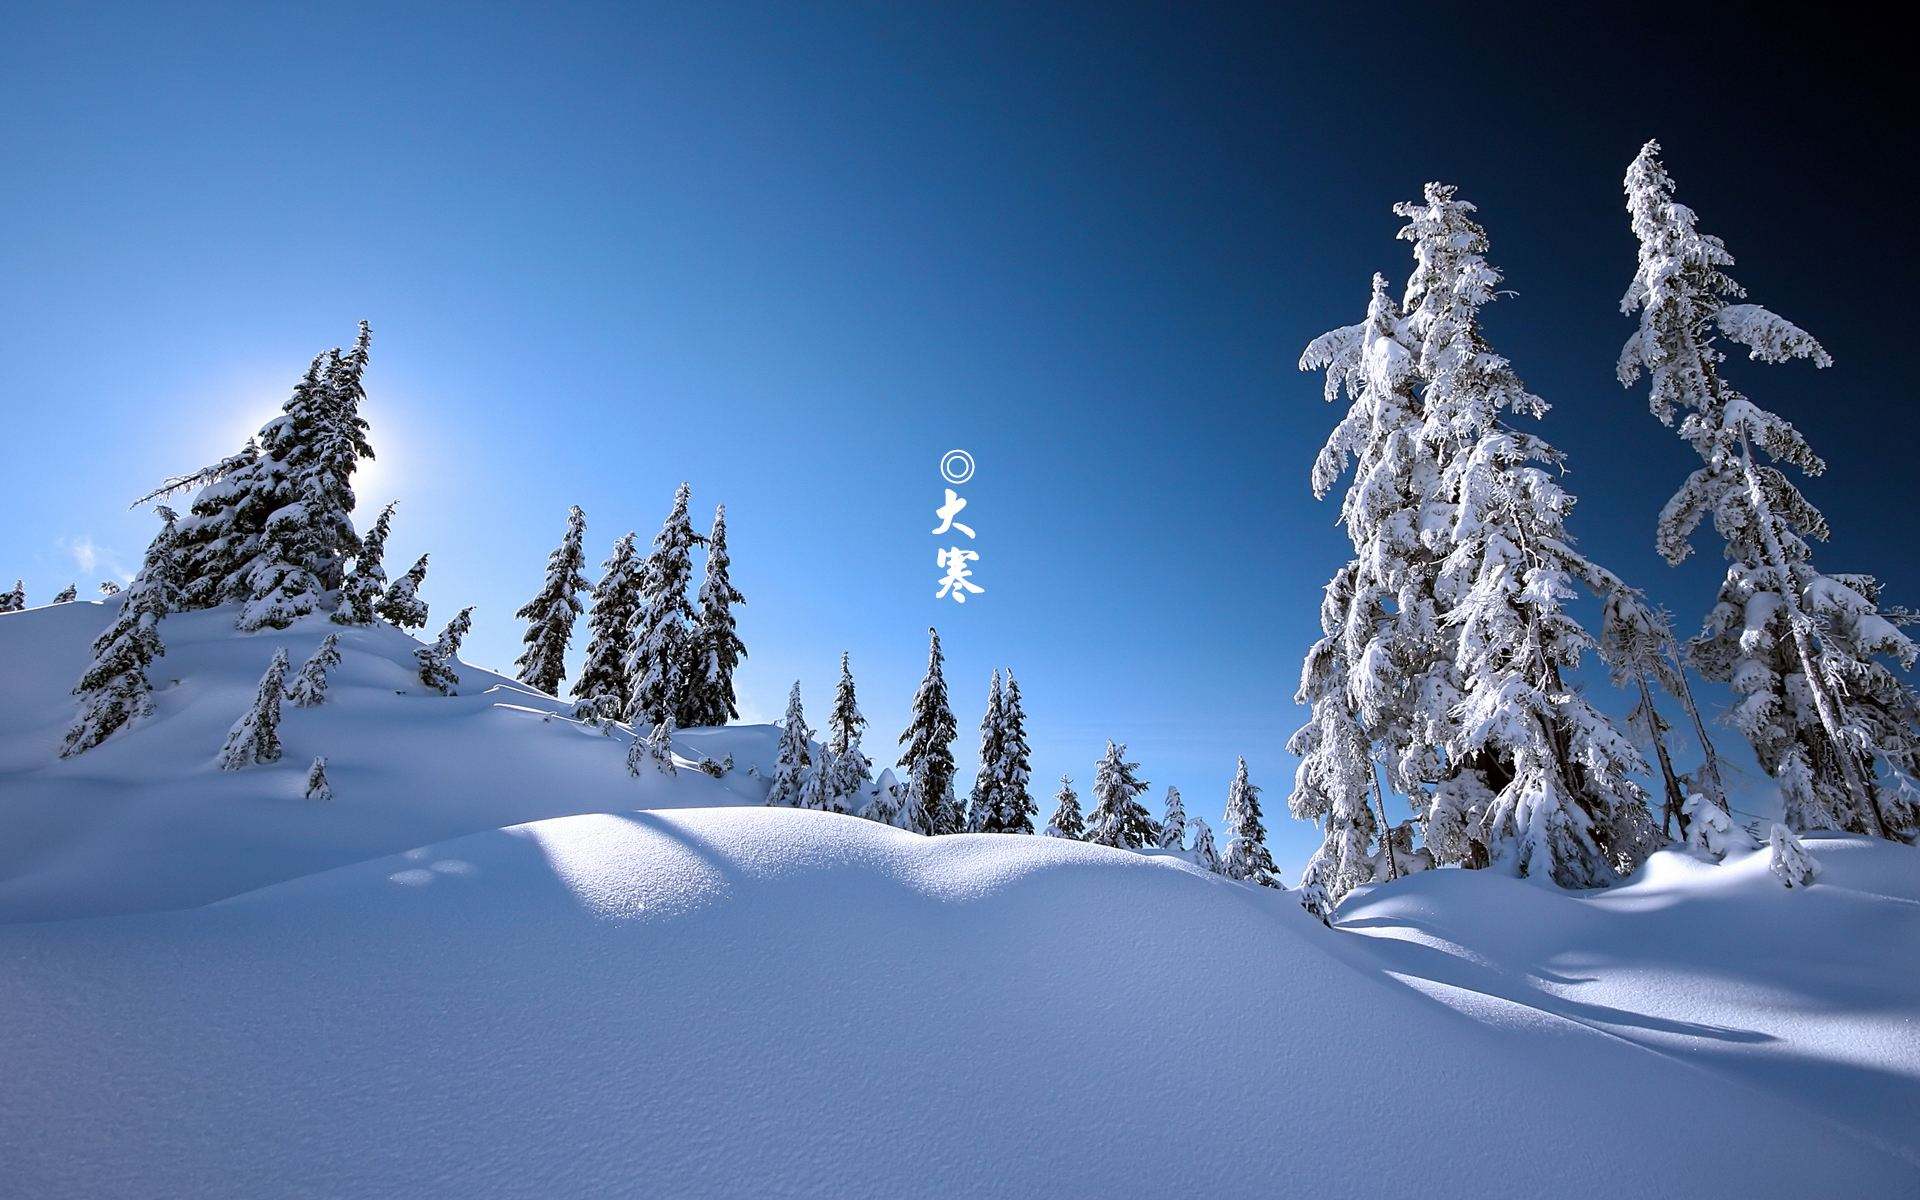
740	1001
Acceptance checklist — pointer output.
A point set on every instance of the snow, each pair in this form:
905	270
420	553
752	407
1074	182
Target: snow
515	983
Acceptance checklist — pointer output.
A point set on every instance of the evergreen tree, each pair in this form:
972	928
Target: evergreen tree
928	739
887	802
309	688
1066	821
552	611
318	788
360	594
790	769
1810	655
817	790
985	798
401	602
1015	811
1173	830
255	737
1203	851
656	748
656	665
1247	856
109	588
717	648
851	770
114	689
437	661
1548	780
602	687
15	600
1789	859
1711	831
67	594
1638	647
1118	818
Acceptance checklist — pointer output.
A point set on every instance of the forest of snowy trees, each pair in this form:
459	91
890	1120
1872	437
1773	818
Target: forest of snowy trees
1441	685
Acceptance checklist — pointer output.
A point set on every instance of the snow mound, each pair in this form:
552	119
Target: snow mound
147	821
774	1002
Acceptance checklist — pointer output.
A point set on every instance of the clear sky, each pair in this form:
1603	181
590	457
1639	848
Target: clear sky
794	253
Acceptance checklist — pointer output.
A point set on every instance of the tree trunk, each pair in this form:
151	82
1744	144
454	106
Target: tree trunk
1674	797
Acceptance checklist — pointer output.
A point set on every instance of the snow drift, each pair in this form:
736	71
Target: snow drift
729	1001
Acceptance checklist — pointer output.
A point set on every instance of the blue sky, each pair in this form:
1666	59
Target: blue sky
792	254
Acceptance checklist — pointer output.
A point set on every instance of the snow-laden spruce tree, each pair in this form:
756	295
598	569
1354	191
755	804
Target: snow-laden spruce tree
1383	670
716	645
658	654
1638	646
1711	830
317	788
1543	782
1015	810
790	767
67	594
1118	818
437	661
114	689
1810	655
401	602
817	790
928	757
1247	857
1789	859
985	797
309	688
654	749
360	594
1173	829
1203	850
109	588
852	772
552	611
1066	821
601	690
887	802
15	600
255	737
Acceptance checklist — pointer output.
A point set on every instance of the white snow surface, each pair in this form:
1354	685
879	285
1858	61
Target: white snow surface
698	1001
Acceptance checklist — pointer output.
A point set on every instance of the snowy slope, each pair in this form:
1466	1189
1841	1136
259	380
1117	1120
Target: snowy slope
146	820
482	972
770	1002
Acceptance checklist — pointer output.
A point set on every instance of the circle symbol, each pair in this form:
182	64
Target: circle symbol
956	466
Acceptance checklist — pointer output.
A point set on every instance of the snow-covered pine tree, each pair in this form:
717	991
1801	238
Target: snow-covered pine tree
1808	653
817	790
657	657
717	648
309	688
790	768
1173	830
114	689
1118	818
928	739
109	588
318	789
552	611
602	687
1016	809
1203	850
1548	781
655	748
985	797
1711	829
1247	856
1789	859
1334	782
886	802
67	594
360	594
852	772
437	661
401	602
255	737
1066	821
15	600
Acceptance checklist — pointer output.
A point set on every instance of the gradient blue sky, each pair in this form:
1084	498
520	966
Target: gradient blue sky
793	253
